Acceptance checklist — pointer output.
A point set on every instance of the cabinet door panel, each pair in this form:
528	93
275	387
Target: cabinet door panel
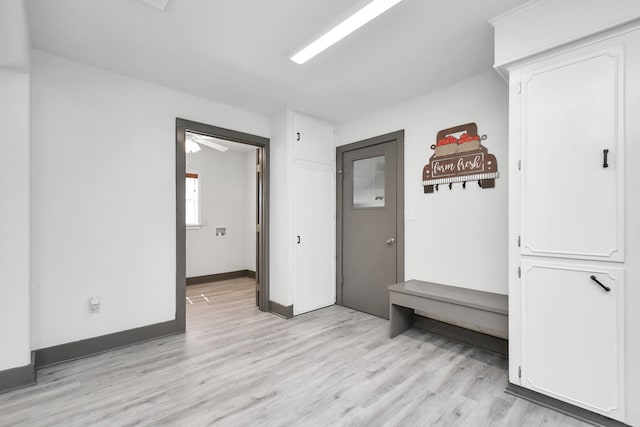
313	140
572	110
573	334
314	212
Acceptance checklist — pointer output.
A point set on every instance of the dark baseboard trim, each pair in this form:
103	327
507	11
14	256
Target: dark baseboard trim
281	310
90	346
562	407
199	280
486	342
15	378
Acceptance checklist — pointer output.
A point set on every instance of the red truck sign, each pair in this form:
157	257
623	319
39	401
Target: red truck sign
459	159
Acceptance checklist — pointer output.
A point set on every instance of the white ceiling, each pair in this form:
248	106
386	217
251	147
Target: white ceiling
237	51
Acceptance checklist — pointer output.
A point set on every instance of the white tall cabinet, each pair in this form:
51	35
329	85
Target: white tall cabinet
574	209
302	212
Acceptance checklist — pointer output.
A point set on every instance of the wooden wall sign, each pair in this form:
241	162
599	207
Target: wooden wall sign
459	159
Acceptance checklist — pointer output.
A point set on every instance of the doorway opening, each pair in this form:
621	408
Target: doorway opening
245	151
370	222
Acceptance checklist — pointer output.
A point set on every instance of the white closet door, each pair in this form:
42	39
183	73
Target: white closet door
313	140
573	334
314	237
572	202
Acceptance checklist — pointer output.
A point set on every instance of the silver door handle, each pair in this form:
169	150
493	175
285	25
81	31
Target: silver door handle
391	241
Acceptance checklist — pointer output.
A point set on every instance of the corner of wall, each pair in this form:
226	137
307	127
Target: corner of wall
14	219
279	210
15	378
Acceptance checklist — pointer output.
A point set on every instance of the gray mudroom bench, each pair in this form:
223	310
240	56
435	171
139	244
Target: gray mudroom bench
483	312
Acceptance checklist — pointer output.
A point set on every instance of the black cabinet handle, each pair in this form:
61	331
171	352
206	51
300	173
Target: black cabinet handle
298	136
298	239
605	287
605	153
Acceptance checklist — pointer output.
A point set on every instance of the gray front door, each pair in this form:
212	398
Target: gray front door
369	227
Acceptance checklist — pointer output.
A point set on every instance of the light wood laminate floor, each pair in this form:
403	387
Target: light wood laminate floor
237	366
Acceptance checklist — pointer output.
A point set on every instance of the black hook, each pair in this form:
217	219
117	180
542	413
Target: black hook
464	184
450	185
437	185
480	183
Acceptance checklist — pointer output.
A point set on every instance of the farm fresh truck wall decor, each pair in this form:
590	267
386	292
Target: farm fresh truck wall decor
459	157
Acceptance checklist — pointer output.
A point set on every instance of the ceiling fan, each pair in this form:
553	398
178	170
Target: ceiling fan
194	141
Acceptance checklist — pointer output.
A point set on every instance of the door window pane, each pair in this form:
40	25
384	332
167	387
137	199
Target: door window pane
368	182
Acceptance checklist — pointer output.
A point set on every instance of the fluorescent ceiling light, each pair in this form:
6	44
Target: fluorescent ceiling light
343	29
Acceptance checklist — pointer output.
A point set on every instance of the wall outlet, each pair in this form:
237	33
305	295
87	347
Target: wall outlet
221	231
94	304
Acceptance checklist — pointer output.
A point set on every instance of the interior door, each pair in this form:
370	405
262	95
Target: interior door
258	222
369	231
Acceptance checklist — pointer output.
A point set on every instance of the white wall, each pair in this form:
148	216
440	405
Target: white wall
456	237
15	48
15	42
103	197
250	220
225	187
14	219
282	256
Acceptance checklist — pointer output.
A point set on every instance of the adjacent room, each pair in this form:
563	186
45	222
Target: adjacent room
220	215
319	213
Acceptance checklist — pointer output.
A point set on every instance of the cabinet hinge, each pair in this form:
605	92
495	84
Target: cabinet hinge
518	241
519	164
258	168
519	272
519	88
519	371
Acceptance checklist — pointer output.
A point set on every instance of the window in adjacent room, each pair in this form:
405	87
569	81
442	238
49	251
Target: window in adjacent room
192	200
